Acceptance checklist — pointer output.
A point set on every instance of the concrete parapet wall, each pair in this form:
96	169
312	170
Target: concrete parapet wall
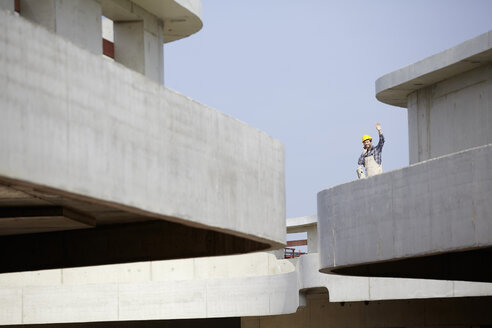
253	284
78	124
437	206
228	286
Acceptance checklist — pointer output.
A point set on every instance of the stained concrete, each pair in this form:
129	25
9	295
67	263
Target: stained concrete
428	209
78	129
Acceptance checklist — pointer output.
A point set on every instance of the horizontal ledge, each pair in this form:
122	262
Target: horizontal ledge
394	88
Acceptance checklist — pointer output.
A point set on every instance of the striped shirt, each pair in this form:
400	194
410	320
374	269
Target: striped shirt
374	151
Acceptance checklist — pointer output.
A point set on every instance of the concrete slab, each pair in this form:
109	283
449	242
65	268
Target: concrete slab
434	211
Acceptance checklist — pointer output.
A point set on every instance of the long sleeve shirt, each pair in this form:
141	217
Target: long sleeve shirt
374	151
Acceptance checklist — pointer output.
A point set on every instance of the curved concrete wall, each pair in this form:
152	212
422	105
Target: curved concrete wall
77	125
255	284
245	285
181	18
433	207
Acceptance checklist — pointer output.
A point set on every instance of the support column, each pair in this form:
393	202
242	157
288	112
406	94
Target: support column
129	44
139	49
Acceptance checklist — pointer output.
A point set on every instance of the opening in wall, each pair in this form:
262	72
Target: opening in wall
107	37
296	244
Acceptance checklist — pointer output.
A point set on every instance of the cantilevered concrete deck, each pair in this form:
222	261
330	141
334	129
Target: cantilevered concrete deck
98	164
394	88
428	220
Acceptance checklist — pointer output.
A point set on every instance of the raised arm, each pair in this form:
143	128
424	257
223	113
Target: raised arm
381	137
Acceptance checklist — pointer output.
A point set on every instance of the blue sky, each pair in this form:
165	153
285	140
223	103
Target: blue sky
304	72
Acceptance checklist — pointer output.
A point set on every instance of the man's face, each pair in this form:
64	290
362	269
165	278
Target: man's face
367	143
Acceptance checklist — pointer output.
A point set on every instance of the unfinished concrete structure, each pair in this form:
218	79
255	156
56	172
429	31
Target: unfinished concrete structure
105	172
235	291
100	164
432	219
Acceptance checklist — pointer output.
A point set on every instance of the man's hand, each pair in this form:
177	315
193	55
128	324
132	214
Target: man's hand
378	127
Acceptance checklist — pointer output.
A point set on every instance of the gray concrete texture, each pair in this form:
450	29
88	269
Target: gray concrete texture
7	5
441	205
75	20
76	124
253	284
229	286
451	115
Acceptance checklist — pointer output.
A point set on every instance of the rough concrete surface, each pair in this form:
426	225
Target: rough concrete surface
78	124
436	206
243	285
254	284
451	115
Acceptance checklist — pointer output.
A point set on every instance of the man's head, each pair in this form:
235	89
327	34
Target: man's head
366	141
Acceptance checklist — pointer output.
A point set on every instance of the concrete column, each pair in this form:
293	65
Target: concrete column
140	49
154	64
7	5
77	20
129	44
312	237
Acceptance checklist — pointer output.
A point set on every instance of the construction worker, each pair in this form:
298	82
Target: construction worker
371	156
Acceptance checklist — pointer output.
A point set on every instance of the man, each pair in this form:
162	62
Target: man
371	156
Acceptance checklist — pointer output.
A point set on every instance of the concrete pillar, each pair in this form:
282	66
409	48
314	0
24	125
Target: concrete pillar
312	238
77	20
129	44
139	49
7	5
154	63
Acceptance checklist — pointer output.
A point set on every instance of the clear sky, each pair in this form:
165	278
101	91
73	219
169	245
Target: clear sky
304	72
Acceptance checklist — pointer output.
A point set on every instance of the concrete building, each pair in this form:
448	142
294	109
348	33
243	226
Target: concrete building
252	290
115	191
432	219
100	164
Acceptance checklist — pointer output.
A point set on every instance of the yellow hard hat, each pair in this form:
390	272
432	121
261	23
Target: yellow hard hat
366	137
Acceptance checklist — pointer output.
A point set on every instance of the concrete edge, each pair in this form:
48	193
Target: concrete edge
393	88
